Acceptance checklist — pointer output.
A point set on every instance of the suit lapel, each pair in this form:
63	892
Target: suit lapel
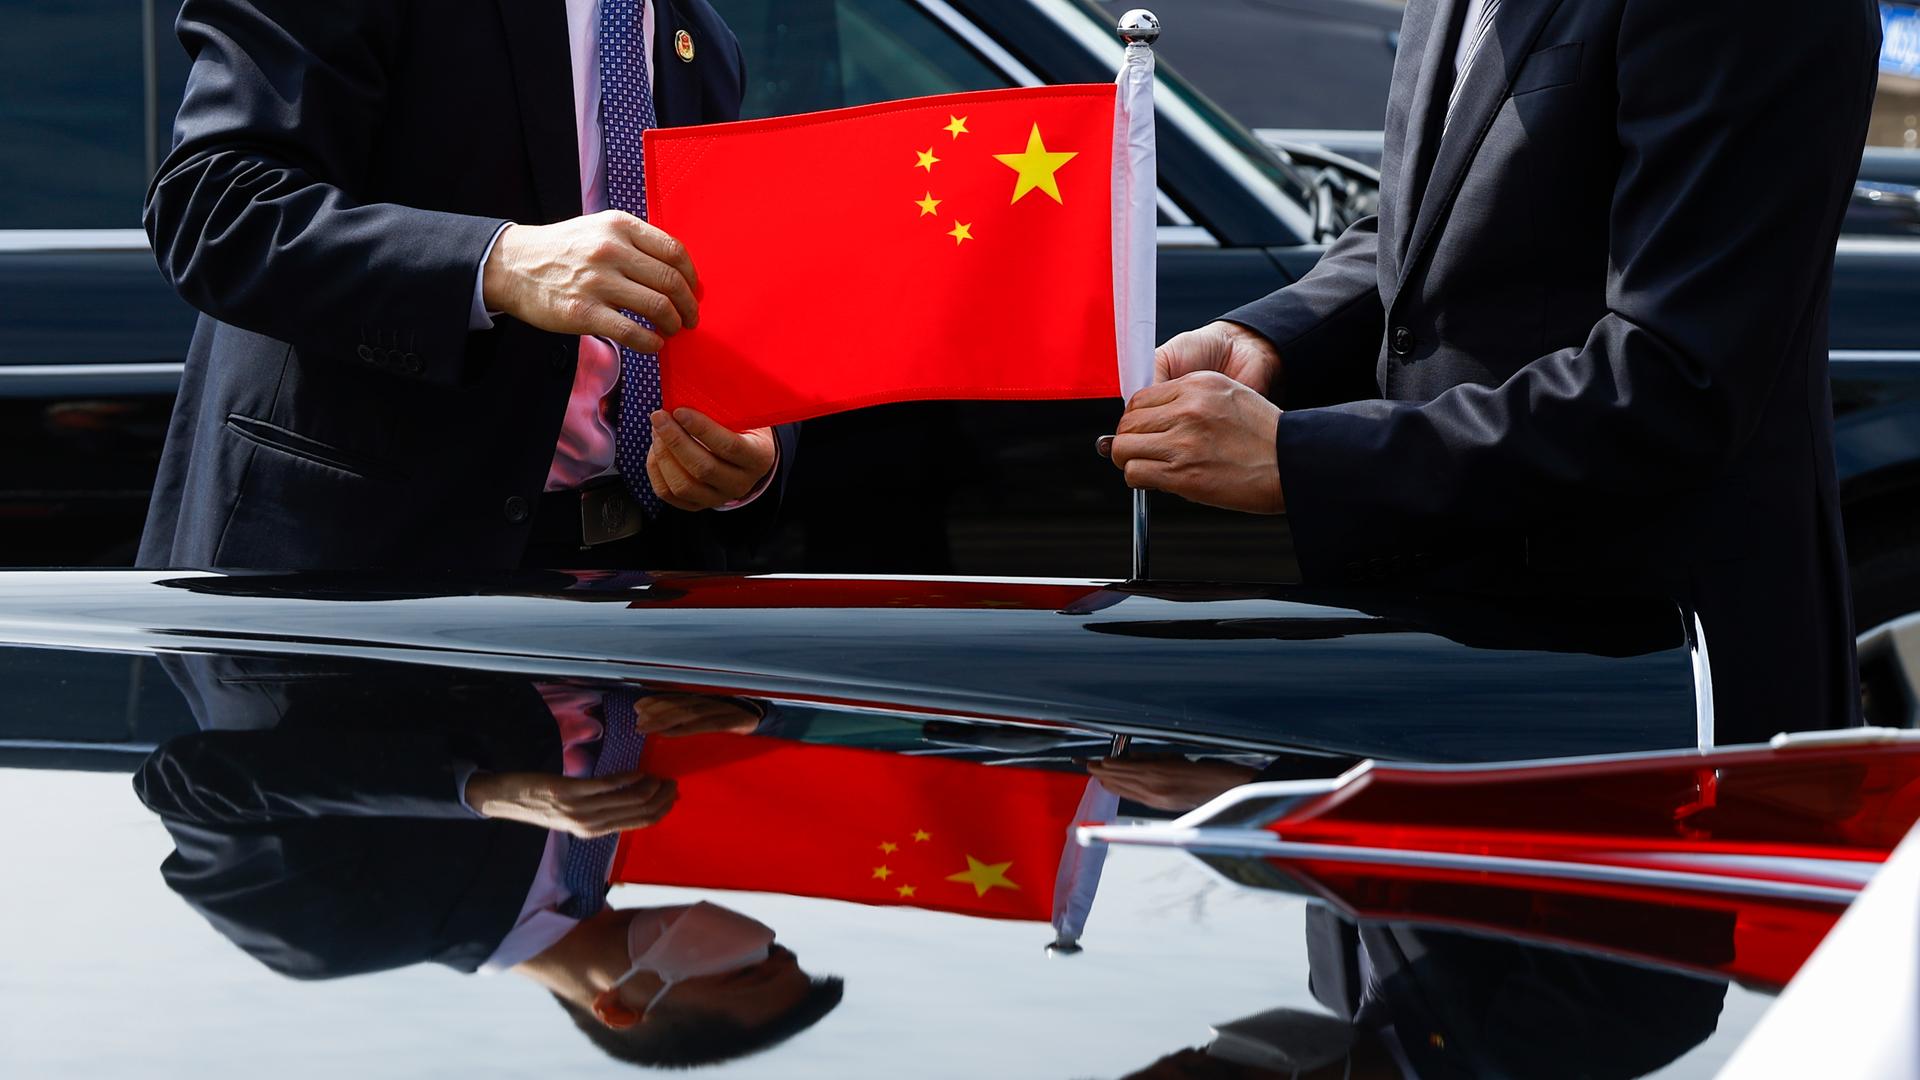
676	90
1420	130
543	79
1516	27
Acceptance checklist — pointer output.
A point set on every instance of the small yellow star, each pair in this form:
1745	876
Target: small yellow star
921	836
905	890
888	847
882	873
928	205
961	232
957	125
1035	167
983	877
926	158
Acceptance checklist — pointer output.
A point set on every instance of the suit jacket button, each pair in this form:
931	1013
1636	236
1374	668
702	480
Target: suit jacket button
1402	342
411	364
366	353
516	510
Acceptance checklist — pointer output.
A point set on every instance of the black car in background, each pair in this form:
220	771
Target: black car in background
91	338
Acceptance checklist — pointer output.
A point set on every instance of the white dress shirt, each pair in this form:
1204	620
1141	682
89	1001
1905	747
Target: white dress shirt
1476	10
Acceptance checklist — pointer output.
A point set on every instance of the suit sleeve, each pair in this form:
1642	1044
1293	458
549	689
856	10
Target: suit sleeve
253	214
1327	326
1733	126
253	778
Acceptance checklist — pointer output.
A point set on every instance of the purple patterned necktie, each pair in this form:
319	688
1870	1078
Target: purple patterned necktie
586	864
626	110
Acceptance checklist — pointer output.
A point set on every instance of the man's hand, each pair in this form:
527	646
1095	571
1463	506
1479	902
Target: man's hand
1228	348
576	277
582	808
1203	437
696	464
1168	783
694	714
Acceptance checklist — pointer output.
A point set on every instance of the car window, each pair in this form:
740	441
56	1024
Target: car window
73	145
806	55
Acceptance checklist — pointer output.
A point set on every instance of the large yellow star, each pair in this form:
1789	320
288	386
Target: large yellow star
957	125
983	877
1036	166
928	205
961	232
926	159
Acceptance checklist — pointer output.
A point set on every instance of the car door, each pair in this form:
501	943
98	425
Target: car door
91	337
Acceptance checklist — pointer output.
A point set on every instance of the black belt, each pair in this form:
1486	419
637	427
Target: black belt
598	512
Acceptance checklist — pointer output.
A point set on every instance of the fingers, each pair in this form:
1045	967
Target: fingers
728	446
612	325
645	302
649	275
1149	475
656	243
690	465
1148	420
673	484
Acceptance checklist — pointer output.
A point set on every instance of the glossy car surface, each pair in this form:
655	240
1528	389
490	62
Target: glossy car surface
324	689
90	337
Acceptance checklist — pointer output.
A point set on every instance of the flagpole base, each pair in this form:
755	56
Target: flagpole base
1065	948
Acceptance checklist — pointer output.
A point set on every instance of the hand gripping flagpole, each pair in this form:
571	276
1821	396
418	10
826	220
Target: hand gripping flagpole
1136	188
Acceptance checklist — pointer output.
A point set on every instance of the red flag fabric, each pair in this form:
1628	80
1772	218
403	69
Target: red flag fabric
773	815
955	247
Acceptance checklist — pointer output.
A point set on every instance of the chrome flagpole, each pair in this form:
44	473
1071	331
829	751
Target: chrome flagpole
1135	194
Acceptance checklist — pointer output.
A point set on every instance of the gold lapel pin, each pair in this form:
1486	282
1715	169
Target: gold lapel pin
683	46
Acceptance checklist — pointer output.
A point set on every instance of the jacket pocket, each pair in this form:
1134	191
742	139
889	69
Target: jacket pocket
1547	69
312	451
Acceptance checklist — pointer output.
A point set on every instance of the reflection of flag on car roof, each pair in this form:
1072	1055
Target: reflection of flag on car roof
772	815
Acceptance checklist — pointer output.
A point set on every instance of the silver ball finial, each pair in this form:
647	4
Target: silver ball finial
1139	27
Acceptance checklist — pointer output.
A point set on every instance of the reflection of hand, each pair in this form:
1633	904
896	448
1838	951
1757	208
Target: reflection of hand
694	714
1168	783
696	464
584	808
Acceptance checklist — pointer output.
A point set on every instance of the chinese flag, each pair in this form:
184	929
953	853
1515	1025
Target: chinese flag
959	246
773	815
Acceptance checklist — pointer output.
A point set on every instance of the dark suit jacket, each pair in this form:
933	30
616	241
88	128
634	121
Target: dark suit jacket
1596	330
1466	1006
337	173
316	818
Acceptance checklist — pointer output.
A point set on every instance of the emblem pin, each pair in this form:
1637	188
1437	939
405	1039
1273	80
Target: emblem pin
683	46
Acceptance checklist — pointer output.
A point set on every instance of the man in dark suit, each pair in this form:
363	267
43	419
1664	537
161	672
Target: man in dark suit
338	818
416	351
1587	331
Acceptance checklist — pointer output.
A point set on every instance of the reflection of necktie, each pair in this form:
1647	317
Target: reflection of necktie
584	870
626	111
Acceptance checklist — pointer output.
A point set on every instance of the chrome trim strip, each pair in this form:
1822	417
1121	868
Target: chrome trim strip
1879	245
1702	680
1267	845
1867	356
51	380
1184	236
68	744
33	241
1175	215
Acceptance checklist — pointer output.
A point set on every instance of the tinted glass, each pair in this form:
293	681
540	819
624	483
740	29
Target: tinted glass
806	55
72	110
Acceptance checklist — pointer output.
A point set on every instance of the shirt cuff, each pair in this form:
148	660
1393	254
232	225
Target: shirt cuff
462	773
758	489
480	318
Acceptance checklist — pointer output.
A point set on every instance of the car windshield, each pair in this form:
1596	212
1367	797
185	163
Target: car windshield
1243	142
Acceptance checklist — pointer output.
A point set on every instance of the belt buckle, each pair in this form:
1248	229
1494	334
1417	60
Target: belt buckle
608	513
